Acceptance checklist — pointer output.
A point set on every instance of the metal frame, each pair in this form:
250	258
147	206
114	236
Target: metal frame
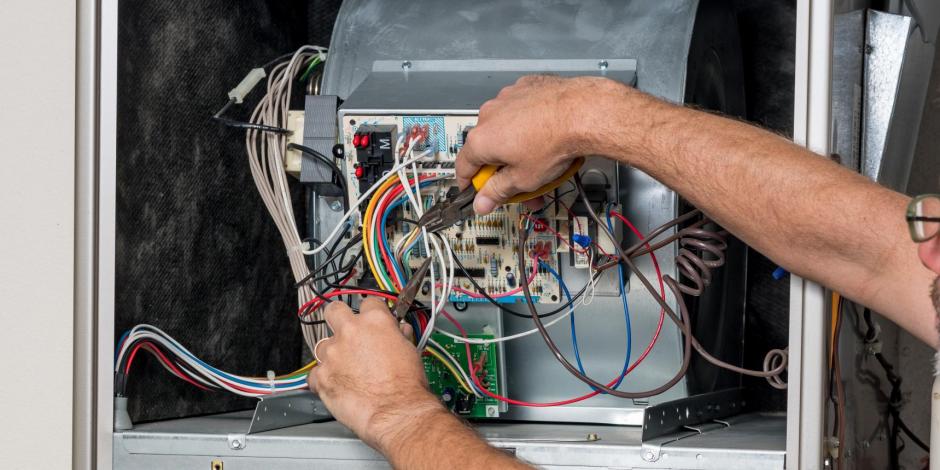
808	317
95	211
104	225
84	283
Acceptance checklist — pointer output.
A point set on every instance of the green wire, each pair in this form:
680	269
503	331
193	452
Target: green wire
313	63
378	263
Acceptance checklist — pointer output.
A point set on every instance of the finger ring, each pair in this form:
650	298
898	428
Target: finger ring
316	346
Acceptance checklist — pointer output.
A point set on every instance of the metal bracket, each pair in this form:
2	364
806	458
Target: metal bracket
652	450
673	416
281	410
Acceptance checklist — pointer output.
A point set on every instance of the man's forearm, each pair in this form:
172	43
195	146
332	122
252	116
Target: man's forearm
808	214
435	438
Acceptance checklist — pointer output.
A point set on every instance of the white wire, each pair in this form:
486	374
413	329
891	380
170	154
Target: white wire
354	207
266	155
463	373
500	339
154	334
592	282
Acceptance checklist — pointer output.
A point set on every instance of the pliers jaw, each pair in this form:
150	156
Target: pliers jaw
406	297
449	211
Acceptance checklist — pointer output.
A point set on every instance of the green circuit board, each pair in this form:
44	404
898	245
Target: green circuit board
443	383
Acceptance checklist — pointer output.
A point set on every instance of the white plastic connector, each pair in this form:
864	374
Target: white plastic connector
293	158
247	84
122	419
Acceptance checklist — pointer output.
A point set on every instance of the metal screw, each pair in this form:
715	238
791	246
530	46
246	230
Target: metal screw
602	65
236	444
406	65
336	206
648	456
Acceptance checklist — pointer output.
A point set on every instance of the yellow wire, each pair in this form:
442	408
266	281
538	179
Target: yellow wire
366	231
453	371
835	320
303	369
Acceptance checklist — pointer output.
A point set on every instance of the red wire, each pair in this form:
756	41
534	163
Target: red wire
571	215
574	248
154	350
477	295
147	345
383	205
393	193
317	301
659	327
463	332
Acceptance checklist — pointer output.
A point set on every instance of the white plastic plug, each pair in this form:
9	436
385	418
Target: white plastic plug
247	84
122	419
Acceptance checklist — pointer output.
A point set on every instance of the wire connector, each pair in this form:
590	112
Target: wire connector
247	84
122	419
581	239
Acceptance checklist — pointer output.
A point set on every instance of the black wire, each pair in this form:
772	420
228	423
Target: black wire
895	397
244	125
247	125
352	242
340	179
525	278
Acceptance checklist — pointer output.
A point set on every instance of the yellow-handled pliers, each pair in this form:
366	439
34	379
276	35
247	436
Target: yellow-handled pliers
453	209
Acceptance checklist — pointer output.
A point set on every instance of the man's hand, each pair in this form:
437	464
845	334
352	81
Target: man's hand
370	375
533	130
371	378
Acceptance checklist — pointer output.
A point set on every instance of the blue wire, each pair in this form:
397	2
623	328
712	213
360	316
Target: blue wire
238	380
119	343
626	316
574	333
626	311
382	239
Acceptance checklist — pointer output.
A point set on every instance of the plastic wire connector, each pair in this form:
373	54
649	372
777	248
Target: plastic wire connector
271	376
122	419
247	84
583	240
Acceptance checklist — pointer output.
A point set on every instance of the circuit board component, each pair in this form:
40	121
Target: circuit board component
445	385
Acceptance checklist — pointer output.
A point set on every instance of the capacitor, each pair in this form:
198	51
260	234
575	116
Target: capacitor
511	279
447	396
494	267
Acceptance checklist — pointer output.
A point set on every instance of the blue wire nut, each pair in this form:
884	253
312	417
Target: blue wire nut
581	239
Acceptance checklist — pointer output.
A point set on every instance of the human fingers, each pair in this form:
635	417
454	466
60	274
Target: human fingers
321	348
375	308
337	316
498	189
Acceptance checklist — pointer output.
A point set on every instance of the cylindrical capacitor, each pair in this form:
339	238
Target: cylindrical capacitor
511	280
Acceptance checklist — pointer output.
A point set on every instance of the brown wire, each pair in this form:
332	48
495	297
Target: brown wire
691	265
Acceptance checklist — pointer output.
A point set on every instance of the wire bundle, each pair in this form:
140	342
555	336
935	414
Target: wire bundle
267	152
403	186
180	362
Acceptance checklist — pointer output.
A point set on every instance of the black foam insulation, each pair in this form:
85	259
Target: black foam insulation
768	42
197	254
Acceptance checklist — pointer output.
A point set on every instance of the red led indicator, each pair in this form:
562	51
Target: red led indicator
365	140
356	140
359	172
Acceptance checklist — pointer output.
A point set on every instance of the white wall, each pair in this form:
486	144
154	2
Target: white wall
37	96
